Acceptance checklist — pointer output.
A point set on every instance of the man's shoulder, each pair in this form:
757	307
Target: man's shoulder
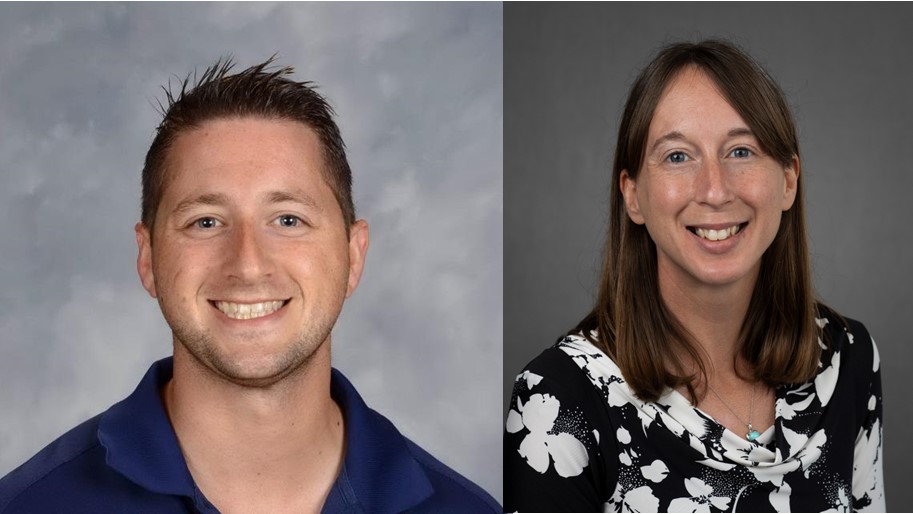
390	473
452	491
67	455
71	475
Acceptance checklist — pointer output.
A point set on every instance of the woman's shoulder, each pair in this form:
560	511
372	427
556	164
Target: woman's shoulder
850	367
847	341
557	369
556	436
574	362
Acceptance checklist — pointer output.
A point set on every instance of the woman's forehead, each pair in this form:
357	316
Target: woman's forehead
693	104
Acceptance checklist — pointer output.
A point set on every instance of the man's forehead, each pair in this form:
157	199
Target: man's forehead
252	137
247	150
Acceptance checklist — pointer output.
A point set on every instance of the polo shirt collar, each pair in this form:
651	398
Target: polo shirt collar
379	473
139	439
383	474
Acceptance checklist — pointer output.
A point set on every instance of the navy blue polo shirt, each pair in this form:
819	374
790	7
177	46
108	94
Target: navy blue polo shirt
127	459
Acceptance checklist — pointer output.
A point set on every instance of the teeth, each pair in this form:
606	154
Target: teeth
717	235
249	310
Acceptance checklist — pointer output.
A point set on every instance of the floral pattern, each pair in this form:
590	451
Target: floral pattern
542	444
700	499
669	456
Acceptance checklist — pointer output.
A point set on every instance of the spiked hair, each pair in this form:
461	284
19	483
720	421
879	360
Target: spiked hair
261	91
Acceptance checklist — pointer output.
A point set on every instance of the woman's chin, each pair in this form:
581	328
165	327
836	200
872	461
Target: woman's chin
723	276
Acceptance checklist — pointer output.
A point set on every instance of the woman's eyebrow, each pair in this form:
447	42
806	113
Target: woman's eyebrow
678	136
671	136
741	131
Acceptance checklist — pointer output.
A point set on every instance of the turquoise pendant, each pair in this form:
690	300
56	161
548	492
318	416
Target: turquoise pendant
752	434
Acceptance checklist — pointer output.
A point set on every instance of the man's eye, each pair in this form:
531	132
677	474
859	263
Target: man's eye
741	153
206	223
677	157
288	220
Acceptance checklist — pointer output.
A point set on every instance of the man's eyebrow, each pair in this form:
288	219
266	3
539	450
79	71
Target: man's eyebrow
295	196
204	199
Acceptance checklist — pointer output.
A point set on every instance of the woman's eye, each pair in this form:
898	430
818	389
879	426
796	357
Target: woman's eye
206	223
287	220
677	157
741	153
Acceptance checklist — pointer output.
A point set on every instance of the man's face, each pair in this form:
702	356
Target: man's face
251	261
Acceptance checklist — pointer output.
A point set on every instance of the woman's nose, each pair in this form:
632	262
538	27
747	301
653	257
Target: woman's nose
712	185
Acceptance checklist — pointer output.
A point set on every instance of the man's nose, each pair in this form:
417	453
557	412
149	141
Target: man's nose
247	257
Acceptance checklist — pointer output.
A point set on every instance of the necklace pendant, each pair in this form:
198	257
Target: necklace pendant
752	434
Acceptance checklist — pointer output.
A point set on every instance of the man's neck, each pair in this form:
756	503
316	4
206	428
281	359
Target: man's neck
274	449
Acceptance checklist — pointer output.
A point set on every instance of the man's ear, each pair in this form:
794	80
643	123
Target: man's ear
792	183
629	191
358	249
144	258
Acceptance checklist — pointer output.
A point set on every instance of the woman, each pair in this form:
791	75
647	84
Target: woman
707	377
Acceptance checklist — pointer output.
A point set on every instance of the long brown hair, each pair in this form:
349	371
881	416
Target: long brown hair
630	322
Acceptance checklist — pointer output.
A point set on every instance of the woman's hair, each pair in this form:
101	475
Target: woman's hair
630	322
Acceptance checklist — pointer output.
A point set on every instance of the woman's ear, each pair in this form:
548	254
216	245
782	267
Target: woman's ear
629	190
791	173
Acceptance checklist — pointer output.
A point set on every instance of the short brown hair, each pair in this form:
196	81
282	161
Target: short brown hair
257	91
630	322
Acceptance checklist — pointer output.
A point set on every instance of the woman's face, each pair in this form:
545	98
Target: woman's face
709	197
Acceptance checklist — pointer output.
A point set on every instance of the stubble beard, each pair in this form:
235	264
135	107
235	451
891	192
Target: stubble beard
294	358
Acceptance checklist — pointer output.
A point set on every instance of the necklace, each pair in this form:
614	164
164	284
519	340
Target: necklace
752	433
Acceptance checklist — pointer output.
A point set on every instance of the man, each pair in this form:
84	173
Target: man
250	244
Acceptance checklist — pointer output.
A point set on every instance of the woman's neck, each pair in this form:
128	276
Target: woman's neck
712	314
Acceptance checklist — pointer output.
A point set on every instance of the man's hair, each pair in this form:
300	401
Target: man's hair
630	322
261	92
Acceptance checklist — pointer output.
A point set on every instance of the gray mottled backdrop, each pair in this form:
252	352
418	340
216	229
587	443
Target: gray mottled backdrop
418	90
848	72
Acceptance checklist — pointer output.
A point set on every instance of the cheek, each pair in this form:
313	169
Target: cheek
178	273
174	286
324	264
660	199
767	194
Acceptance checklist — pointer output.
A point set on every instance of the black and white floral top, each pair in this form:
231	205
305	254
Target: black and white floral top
579	440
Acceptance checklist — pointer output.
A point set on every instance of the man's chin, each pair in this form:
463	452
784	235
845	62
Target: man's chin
253	369
251	361
256	373
254	380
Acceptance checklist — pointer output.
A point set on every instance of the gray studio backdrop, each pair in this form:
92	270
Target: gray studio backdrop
418	90
848	72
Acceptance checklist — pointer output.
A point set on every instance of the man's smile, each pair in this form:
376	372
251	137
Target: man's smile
236	310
